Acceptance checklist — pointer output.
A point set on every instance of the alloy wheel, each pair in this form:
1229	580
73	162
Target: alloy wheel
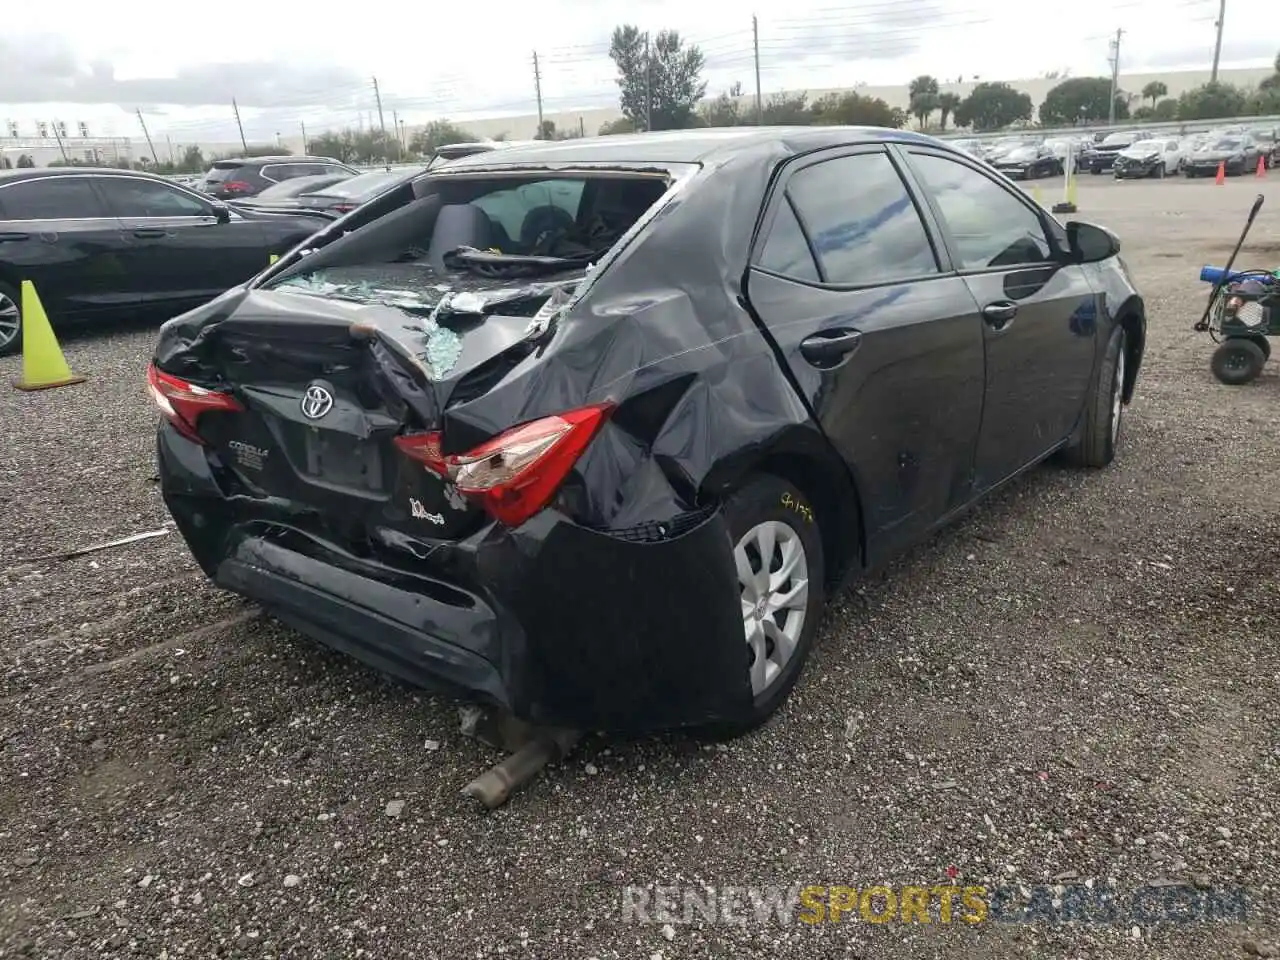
773	574
10	321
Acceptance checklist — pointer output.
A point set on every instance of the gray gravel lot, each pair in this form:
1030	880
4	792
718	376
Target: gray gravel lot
1078	679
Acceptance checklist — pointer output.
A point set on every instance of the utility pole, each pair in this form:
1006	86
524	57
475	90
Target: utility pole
61	146
303	125
1115	76
169	140
1217	46
648	87
236	107
537	86
382	123
755	42
399	134
147	134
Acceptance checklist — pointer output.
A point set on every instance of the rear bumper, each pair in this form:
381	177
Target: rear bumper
560	624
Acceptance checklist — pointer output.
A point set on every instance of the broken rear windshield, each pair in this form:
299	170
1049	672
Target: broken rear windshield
472	233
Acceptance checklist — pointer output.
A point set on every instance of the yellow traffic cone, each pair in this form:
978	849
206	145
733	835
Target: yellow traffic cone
43	365
1071	191
1035	195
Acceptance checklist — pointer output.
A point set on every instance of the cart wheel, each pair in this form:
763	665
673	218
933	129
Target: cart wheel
1238	361
1263	343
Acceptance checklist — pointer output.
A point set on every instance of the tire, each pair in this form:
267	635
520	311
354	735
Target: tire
1159	173
1238	361
1095	171
1104	410
1263	344
10	320
781	508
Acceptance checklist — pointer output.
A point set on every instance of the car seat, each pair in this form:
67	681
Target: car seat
541	221
458	225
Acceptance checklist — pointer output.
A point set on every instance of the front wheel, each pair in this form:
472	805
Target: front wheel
10	320
777	550
1104	410
1158	173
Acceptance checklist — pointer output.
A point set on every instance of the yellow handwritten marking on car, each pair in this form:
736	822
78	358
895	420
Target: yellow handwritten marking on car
881	904
791	503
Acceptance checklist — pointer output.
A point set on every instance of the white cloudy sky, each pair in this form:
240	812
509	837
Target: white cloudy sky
97	62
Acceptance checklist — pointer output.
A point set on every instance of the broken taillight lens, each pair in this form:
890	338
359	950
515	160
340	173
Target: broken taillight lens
182	402
515	474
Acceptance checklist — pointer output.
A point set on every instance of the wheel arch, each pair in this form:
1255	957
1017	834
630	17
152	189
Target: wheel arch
1131	317
803	457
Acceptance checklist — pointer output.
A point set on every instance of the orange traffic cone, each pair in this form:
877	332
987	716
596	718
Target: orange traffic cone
1262	166
1221	178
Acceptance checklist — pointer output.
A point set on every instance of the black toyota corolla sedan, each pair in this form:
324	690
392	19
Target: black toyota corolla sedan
589	431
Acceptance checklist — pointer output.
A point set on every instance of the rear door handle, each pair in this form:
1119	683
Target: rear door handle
828	348
148	234
999	314
6	237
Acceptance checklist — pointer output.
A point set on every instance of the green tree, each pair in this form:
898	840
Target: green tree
192	160
991	106
659	79
1212	101
852	109
1078	100
923	94
1153	91
436	134
25	162
1163	112
724	110
947	103
621	125
548	131
785	109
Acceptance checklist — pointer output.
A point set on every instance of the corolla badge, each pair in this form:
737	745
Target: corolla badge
316	402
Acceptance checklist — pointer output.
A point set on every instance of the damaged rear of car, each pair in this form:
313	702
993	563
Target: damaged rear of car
465	434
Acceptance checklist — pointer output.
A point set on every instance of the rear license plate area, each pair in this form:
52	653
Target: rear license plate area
343	460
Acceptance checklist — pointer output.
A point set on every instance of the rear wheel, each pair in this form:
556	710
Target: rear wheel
1238	361
778	555
10	320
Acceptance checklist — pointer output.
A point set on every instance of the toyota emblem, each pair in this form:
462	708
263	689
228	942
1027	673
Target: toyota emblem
316	402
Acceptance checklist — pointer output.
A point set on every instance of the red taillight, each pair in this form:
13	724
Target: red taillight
237	186
182	402
344	207
515	474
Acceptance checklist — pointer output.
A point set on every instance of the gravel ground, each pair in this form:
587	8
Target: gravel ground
1077	682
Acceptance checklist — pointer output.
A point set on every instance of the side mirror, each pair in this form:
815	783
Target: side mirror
221	212
1090	243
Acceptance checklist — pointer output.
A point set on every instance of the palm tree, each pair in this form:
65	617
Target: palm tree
947	103
923	93
1153	91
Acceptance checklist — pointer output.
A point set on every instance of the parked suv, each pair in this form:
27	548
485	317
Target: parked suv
242	177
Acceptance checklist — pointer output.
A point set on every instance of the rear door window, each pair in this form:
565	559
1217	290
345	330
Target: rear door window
52	198
864	227
786	251
133	199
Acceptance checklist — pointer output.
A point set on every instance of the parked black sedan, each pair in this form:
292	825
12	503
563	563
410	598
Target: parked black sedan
106	245
607	477
1029	163
345	195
